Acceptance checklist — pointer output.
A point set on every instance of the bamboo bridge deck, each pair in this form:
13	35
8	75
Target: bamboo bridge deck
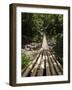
44	64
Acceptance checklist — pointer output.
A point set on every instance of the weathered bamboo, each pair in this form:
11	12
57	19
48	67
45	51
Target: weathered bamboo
56	66
48	72
34	70
40	71
51	65
31	65
44	64
59	65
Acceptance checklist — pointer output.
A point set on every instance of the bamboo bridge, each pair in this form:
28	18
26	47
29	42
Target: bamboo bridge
44	64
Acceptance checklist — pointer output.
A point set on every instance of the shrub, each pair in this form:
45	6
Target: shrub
25	60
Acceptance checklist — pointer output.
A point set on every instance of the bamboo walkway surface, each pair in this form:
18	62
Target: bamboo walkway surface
45	64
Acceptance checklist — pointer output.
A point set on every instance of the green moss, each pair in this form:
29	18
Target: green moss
25	60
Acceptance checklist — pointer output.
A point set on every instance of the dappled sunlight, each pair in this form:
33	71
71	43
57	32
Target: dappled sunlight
42	40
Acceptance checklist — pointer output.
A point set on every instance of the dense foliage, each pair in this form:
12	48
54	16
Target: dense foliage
25	60
33	26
